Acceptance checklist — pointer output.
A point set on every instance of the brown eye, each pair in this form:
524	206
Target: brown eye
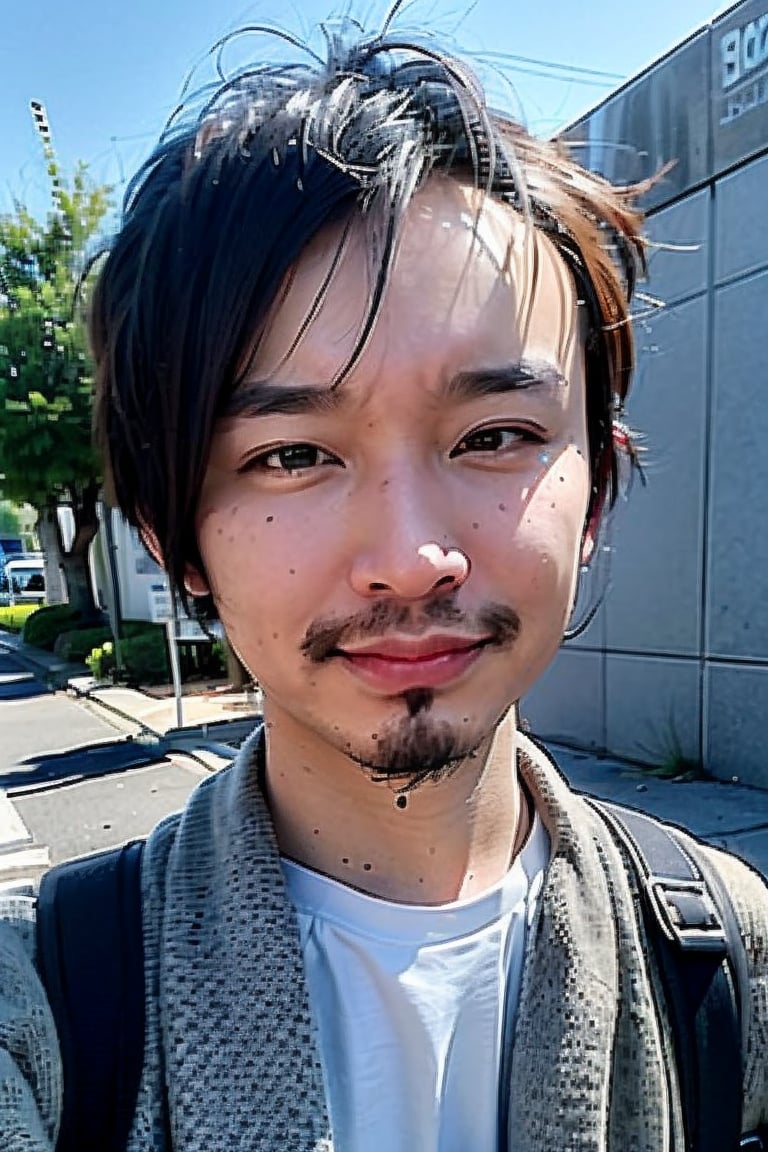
501	439
289	459
294	457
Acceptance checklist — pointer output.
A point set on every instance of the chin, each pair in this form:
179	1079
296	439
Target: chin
412	749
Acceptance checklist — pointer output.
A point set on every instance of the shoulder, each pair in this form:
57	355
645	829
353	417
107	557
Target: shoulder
748	892
191	841
18	915
30	1064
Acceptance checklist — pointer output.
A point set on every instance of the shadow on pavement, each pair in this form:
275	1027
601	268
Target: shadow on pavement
16	681
57	769
21	689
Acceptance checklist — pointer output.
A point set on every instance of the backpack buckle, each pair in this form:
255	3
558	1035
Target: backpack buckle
689	917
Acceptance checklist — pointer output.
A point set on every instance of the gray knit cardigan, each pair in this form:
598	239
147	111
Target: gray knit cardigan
232	1062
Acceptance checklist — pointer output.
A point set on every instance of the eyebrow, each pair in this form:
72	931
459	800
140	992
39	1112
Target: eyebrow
516	377
265	398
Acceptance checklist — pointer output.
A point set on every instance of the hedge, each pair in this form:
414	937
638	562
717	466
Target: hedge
76	645
60	629
44	626
13	616
145	657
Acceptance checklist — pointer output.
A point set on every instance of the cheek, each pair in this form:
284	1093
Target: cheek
546	525
259	560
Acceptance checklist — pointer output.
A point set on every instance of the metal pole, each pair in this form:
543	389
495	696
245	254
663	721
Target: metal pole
173	653
116	615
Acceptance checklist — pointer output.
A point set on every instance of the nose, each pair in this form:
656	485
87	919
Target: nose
399	559
427	570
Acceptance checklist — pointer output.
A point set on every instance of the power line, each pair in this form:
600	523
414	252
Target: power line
570	70
561	79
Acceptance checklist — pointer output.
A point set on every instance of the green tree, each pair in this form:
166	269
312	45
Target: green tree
46	453
10	521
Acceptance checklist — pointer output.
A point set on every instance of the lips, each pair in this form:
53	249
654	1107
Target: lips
396	665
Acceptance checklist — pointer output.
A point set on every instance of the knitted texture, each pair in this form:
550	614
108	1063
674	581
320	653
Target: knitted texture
232	1061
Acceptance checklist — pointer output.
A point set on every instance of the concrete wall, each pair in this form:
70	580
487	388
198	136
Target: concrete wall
675	665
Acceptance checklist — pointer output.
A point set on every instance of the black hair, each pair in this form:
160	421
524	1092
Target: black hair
216	218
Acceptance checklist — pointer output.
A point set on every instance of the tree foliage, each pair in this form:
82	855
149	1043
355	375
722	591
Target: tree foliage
46	453
10	519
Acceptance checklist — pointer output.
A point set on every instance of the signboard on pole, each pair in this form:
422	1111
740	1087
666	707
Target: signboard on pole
160	602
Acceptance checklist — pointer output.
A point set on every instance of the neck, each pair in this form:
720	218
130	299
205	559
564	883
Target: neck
451	840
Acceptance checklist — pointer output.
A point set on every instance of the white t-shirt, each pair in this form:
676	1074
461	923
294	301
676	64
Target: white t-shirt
412	1005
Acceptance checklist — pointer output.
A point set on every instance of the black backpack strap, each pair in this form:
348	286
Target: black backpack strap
700	956
91	960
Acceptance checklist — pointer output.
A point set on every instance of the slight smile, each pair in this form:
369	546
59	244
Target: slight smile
396	665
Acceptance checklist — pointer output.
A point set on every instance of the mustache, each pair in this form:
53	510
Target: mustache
324	637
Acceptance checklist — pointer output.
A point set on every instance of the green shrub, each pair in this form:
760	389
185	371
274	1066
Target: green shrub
102	660
44	625
218	659
14	616
77	644
145	658
134	628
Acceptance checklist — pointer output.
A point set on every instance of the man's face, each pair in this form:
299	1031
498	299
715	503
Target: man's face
396	564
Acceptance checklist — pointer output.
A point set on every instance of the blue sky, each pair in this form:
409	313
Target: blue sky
110	73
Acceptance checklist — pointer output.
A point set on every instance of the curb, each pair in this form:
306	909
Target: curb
55	673
21	860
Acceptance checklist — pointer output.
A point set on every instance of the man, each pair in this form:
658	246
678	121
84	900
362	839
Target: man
360	345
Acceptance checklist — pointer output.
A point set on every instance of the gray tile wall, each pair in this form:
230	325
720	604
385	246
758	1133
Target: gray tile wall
737	587
653	709
655	600
681	268
567	704
741	244
736	706
675	667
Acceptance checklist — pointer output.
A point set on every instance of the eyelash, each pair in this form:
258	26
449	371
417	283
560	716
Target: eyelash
260	460
522	435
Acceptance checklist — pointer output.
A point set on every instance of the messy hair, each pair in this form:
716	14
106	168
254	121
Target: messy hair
218	215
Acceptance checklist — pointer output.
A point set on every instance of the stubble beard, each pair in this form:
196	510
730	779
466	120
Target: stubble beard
415	746
414	749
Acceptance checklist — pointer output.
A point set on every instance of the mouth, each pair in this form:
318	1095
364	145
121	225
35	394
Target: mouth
396	665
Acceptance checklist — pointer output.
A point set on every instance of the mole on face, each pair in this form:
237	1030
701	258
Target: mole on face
418	700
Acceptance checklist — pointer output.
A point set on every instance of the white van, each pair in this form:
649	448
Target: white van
26	581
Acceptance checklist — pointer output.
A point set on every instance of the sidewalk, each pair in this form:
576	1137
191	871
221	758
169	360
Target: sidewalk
154	713
726	815
159	715
47	667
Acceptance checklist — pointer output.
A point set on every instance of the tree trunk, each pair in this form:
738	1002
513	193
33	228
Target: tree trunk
48	535
74	561
79	590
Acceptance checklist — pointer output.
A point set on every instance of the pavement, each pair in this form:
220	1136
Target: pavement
85	766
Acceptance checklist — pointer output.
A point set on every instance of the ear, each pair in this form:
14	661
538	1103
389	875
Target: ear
587	546
194	582
591	533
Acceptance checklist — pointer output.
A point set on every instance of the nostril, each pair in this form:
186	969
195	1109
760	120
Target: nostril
377	586
445	580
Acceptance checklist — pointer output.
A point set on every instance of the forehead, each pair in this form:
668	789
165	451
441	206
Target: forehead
470	280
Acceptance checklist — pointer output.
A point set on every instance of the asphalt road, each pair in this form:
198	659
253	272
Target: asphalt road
78	783
105	811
